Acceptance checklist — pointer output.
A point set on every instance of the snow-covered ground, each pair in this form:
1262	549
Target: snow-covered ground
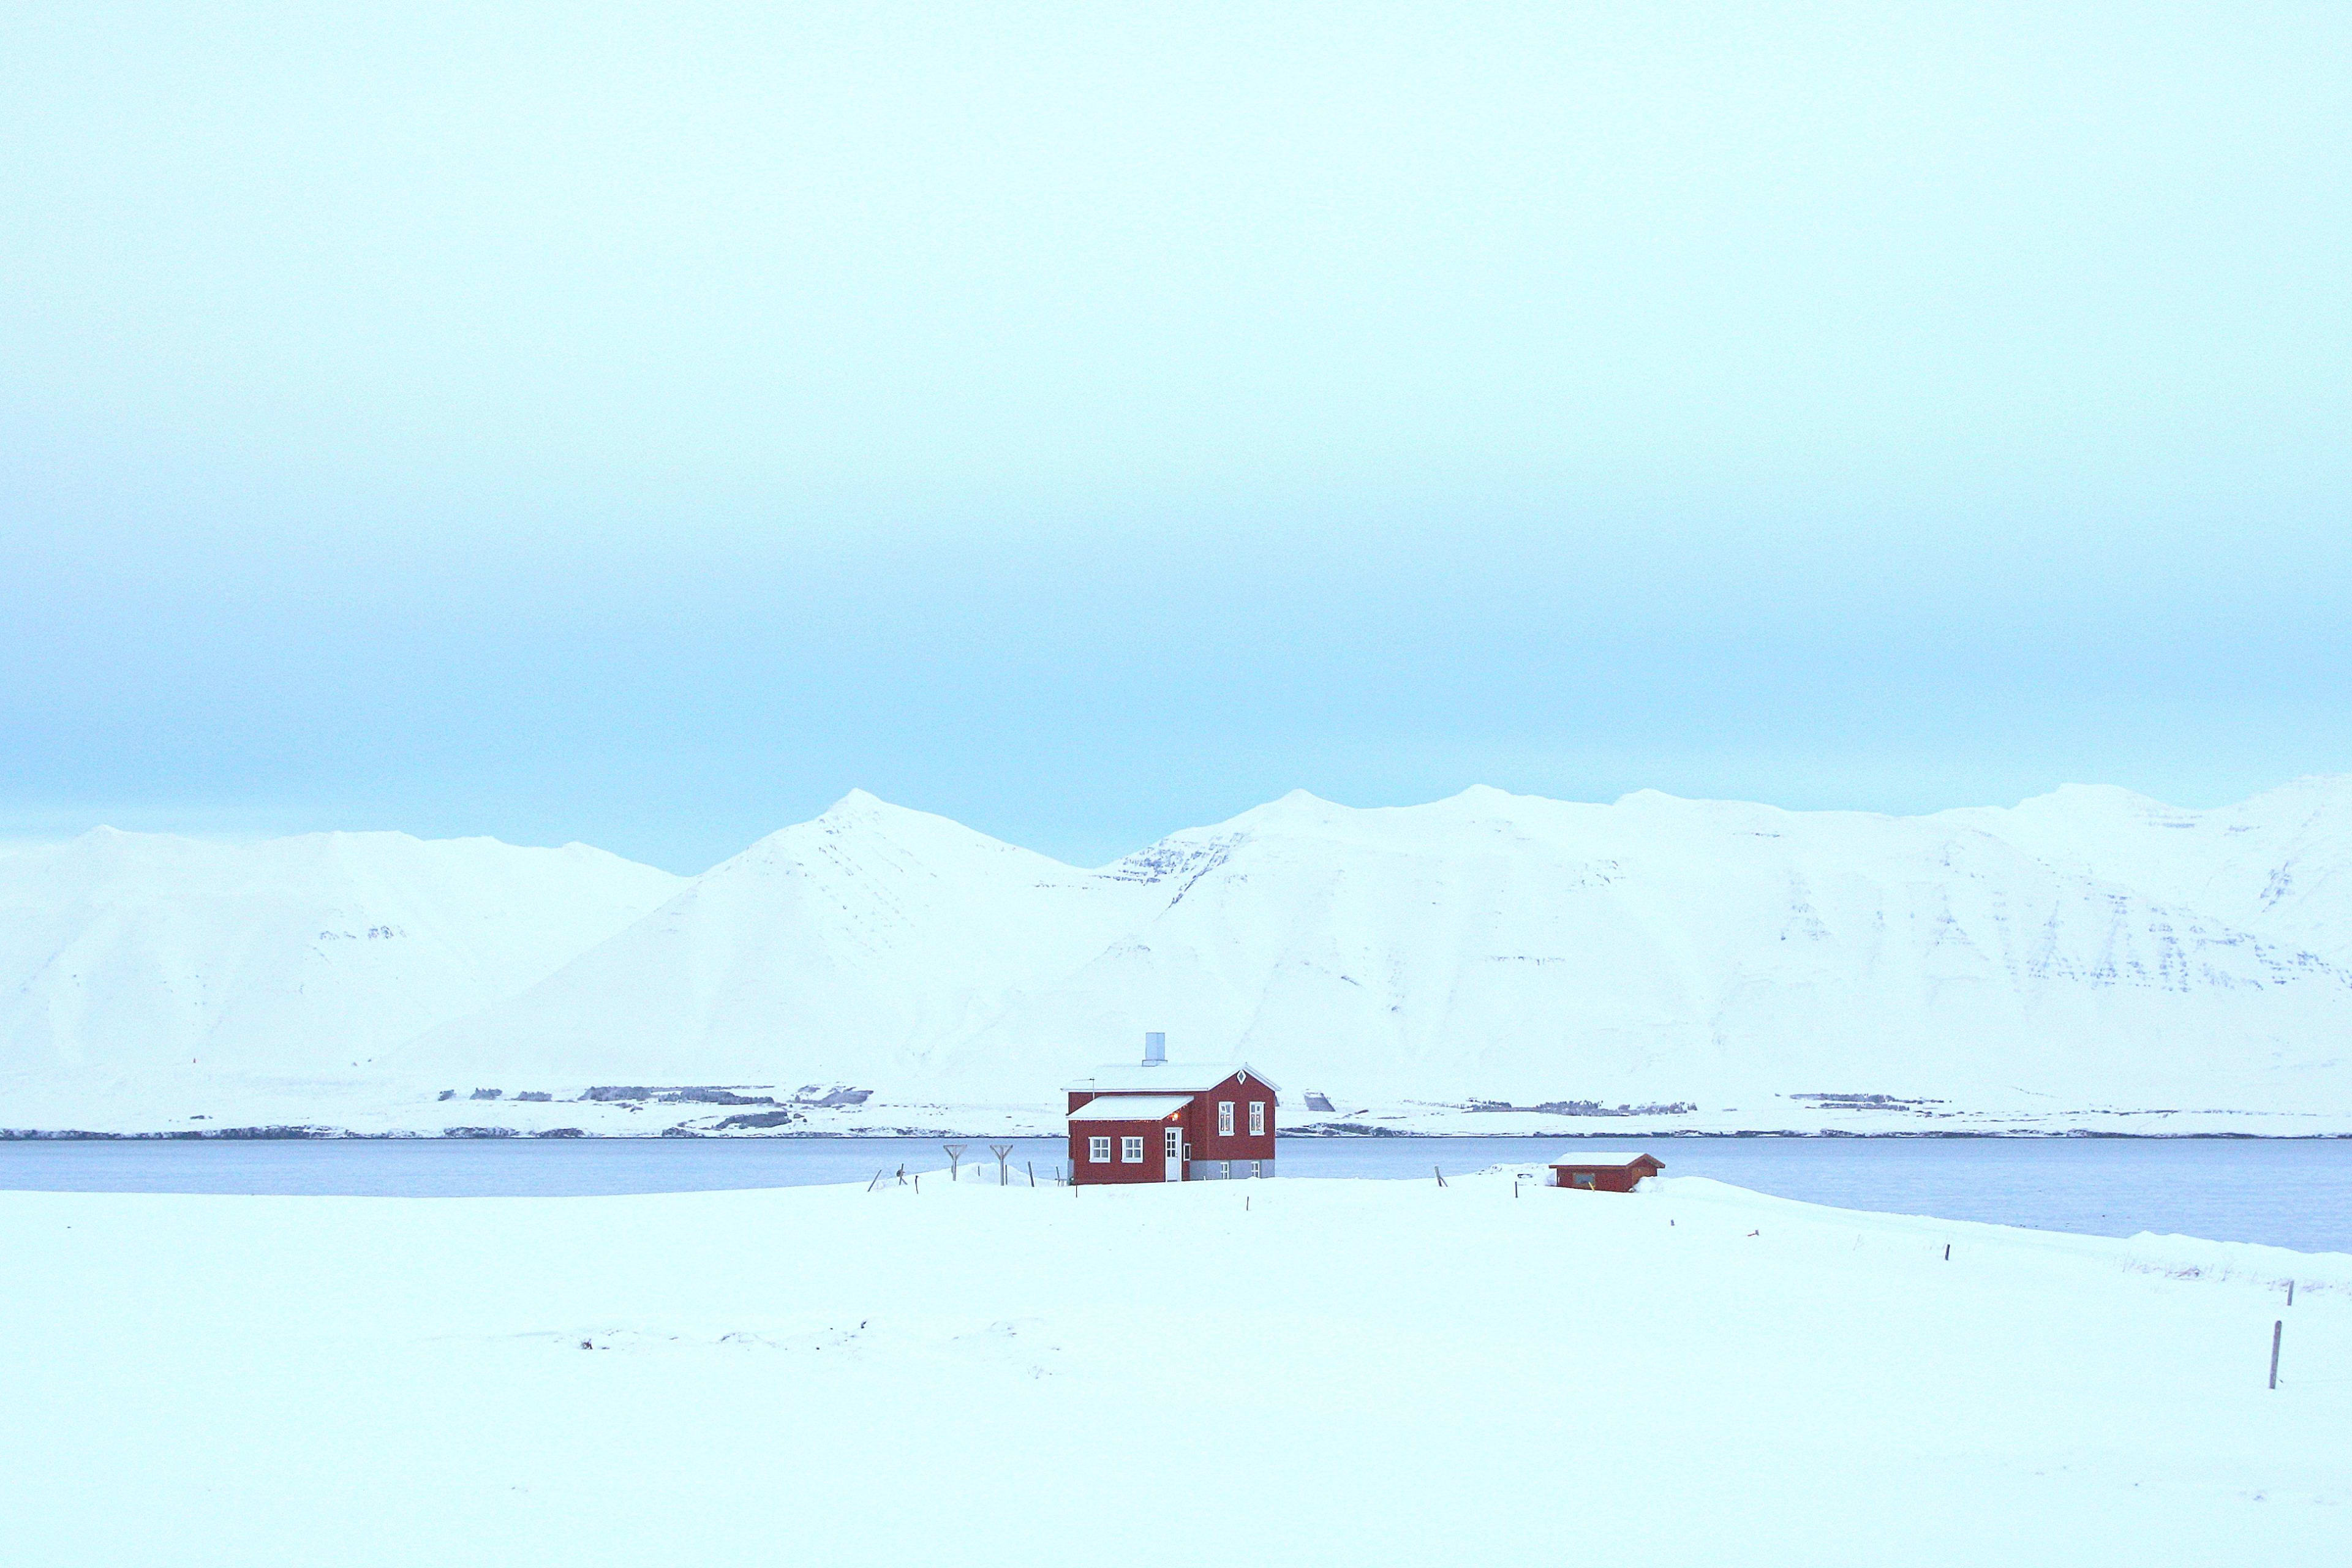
1286	1372
2090	961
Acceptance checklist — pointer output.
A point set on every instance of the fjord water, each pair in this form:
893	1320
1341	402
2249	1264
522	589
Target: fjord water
2295	1193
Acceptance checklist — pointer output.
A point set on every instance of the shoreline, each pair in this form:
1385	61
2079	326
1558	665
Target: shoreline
301	1134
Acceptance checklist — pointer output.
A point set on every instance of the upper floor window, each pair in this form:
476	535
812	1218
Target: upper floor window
1257	1118
1224	1118
1099	1151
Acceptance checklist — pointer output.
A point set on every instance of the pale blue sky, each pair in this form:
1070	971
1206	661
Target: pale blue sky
644	423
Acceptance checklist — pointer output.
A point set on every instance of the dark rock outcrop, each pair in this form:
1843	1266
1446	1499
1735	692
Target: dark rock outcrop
758	1119
706	1094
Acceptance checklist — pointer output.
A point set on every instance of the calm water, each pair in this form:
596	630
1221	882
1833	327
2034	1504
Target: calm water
2293	1193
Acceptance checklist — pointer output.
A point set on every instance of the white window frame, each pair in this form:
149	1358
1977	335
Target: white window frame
1257	1118
1257	1169
1130	1151
1224	1118
1098	1151
1225	1169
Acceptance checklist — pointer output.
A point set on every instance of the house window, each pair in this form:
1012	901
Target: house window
1580	1178
1225	1169
1257	1169
1224	1118
1099	1151
1130	1151
1257	1118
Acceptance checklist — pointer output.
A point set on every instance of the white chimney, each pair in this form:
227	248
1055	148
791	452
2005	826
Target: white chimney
1155	1049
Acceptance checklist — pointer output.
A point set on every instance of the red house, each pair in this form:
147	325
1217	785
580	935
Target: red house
1159	1120
1605	1172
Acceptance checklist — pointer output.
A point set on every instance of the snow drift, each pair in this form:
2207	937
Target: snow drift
1399	1373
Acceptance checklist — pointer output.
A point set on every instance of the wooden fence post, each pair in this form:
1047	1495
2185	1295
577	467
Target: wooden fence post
2277	1329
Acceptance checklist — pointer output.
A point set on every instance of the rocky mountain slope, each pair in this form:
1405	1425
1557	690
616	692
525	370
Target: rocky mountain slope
140	967
1485	947
2088	953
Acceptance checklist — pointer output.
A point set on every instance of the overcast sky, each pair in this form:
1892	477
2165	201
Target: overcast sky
645	424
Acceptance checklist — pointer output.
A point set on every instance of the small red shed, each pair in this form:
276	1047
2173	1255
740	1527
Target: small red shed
1159	1120
1605	1173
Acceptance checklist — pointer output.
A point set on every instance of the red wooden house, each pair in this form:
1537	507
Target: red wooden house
1605	1172
1159	1120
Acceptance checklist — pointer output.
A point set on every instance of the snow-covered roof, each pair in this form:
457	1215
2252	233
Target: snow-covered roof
1182	1078
1129	1107
1616	1157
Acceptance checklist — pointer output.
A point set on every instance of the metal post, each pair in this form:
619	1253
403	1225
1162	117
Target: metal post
2277	1328
1033	1171
2290	1292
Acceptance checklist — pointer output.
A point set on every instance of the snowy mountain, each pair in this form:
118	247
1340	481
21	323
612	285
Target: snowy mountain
1661	950
2089	958
1494	947
131	961
2278	865
869	944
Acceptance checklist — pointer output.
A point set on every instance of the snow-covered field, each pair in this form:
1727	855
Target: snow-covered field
1286	1372
2089	960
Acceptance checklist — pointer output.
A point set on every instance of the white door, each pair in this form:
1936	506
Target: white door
1174	1139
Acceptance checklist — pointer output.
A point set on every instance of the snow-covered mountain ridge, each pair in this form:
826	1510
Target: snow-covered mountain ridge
141	971
2089	958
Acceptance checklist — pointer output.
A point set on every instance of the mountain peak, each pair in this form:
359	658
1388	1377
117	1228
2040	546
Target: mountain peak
2109	797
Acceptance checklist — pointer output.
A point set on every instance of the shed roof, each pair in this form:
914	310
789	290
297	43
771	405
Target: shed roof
1129	1107
1612	1159
1165	1077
